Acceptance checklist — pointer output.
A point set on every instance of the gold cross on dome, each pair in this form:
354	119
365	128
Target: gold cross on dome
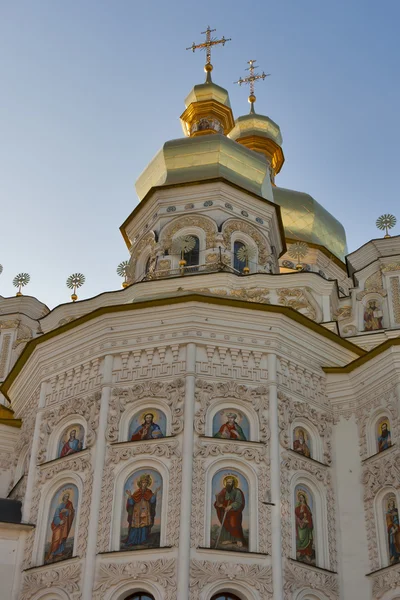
251	79
207	45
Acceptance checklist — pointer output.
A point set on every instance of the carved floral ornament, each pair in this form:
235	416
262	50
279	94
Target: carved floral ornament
57	577
87	407
385	582
208	225
297	577
147	241
377	400
164	449
232	225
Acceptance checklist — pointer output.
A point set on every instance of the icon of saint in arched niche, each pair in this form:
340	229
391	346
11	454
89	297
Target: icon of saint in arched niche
231	425
147	425
301	442
373	316
141	511
305	546
393	528
230	511
61	524
71	440
383	434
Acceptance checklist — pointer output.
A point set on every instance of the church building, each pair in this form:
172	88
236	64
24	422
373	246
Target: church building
227	425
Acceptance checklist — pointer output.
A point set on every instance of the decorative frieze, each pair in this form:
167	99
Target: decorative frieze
150	363
386	581
302	381
5	348
395	291
298	577
301	300
56	577
73	382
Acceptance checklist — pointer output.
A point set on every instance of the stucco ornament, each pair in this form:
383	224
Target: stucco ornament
385	582
207	225
301	300
161	571
56	577
298	577
170	392
148	242
87	407
254	294
204	572
233	225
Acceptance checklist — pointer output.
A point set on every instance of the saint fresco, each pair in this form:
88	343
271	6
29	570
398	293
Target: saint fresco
373	316
141	512
230	513
71	441
59	543
148	425
393	529
305	548
301	442
384	437
231	425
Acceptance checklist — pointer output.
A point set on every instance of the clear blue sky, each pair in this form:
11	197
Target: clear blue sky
92	89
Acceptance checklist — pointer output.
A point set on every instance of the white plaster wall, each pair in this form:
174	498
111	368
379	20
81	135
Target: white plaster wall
353	562
8	555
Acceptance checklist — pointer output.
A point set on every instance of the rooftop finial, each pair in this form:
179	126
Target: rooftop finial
250	80
207	45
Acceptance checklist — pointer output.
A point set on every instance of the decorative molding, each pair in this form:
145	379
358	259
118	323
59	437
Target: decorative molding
254	294
208	393
386	581
290	410
372	290
395	290
342	313
148	241
378	399
74	381
204	572
87	407
169	230
166	449
161	571
301	300
5	347
234	225
302	381
289	466
171	392
297	577
63	577
390	267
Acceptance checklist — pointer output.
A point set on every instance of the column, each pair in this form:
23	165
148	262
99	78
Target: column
99	456
187	468
276	517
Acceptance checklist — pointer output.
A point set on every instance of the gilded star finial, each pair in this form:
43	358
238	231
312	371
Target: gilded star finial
251	79
207	45
386	222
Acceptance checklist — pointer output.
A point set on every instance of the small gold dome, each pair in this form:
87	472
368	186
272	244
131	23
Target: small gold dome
208	109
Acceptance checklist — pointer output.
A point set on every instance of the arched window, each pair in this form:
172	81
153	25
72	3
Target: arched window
192	257
238	265
225	596
140	596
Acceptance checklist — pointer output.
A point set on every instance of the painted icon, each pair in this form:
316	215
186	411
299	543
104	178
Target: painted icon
305	548
301	442
141	513
71	441
147	425
61	524
393	528
230	512
384	436
373	316
231	425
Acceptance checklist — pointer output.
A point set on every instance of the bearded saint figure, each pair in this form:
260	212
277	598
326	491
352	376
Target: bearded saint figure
373	316
393	531
229	504
72	445
60	526
304	530
148	430
385	439
141	509
231	429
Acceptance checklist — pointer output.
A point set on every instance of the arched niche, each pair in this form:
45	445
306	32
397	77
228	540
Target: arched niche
53	509
304	483
239	237
134	417
311	444
122	520
386	509
379	437
61	435
203	227
372	311
240	530
218	417
194	257
239	589
52	593
140	253
310	594
234	228
126	589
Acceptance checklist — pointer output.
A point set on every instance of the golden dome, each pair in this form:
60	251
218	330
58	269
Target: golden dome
306	220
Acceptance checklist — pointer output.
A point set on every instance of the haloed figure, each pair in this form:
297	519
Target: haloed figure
60	526
229	504
148	430
231	429
141	509
304	530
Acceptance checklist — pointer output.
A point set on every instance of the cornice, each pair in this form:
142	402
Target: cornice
358	362
169	300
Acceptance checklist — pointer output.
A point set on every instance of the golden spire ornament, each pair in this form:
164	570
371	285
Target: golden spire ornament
20	281
182	245
122	271
75	281
386	222
245	254
251	80
298	251
207	45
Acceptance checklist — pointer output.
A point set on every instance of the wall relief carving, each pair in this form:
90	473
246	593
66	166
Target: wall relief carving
297	577
208	225
62	577
384	582
301	300
233	225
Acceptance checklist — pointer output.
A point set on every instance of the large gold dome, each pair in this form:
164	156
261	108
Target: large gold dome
305	219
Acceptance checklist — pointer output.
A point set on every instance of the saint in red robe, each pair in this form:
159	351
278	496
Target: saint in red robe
232	530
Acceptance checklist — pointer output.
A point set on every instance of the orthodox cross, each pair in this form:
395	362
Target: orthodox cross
207	45
250	80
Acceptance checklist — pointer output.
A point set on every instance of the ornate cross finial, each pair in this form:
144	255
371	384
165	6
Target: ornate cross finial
207	45
250	80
